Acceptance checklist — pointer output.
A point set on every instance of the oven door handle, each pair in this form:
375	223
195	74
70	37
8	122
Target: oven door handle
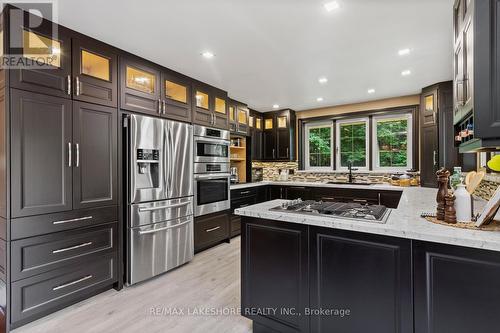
210	140
212	176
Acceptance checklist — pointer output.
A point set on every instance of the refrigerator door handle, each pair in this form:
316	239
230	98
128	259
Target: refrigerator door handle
164	228
149	209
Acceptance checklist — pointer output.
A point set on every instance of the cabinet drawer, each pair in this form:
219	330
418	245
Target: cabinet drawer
244	192
42	294
40	254
210	229
44	224
243	202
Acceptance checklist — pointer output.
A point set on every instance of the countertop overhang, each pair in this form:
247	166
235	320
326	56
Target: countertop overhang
403	222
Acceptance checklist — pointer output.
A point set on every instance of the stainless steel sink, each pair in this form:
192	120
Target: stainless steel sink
347	183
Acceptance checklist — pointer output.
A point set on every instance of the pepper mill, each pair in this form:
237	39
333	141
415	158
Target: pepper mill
450	213
442	178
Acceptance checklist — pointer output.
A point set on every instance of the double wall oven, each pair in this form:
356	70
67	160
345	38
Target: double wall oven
211	170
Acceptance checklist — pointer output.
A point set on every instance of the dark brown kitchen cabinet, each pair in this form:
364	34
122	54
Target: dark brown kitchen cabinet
477	65
436	132
140	85
211	229
275	274
238	118
41	154
279	135
95	163
369	275
64	155
296	192
256	133
95	72
54	78
449	280
176	96
210	106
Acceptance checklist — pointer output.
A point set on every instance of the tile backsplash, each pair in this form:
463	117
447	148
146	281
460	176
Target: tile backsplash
271	172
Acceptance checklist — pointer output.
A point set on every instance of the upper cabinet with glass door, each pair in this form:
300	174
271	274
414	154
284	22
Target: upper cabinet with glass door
46	52
221	108
176	96
238	117
210	106
140	86
95	72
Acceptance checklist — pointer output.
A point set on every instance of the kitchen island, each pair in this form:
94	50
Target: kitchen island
306	273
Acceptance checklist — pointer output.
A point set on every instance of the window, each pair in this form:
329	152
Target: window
319	143
352	143
392	142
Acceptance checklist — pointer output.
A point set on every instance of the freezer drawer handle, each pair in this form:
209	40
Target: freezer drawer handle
73	282
148	209
72	247
73	220
163	229
213	229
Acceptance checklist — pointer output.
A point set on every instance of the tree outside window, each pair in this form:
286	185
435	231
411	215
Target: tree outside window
353	144
392	140
320	147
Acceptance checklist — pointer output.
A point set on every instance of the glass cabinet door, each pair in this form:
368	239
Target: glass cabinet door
95	65
202	100
251	121
140	80
282	121
232	113
220	105
176	92
41	49
243	116
258	123
268	123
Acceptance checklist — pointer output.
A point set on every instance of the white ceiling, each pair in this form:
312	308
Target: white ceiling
273	51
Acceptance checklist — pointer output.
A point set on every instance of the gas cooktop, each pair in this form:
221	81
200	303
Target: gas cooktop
350	210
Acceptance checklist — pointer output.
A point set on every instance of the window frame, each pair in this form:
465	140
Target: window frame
374	142
314	125
340	122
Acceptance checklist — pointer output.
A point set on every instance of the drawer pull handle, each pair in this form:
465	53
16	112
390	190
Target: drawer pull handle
72	247
163	229
148	209
361	201
73	282
327	198
244	205
244	192
73	220
212	229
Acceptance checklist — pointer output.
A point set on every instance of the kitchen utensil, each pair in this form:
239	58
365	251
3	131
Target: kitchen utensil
475	181
469	176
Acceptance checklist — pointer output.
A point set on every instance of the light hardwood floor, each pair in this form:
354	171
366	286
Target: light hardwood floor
210	281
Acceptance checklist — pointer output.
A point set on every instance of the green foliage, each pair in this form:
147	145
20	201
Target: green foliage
320	147
353	144
392	137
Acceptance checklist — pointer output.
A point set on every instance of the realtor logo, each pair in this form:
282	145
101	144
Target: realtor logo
29	36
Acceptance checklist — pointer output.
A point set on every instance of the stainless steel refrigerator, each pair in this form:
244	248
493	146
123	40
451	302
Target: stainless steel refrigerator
160	226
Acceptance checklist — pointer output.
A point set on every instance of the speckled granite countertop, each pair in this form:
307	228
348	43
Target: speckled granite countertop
404	222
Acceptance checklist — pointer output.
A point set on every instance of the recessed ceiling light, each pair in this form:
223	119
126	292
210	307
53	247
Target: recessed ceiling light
276	106
406	72
319	99
322	80
403	52
331	6
371	91
208	54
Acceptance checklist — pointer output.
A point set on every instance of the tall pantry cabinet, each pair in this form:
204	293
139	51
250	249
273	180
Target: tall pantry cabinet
58	174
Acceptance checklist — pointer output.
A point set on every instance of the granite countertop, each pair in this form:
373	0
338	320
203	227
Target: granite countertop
316	184
404	222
